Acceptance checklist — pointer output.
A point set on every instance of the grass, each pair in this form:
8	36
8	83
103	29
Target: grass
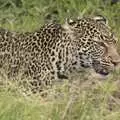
91	99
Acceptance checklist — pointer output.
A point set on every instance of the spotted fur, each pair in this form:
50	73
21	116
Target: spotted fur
54	51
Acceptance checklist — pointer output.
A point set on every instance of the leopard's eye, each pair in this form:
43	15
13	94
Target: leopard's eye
112	35
102	44
114	40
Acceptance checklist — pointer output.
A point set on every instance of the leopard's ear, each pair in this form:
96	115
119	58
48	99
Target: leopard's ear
100	18
69	21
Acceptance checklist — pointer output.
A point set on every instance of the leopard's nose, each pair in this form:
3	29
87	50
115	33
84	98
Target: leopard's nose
115	62
113	54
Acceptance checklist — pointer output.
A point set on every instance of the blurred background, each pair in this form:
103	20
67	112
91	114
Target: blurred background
26	15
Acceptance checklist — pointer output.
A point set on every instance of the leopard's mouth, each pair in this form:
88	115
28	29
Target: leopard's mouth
103	72
102	69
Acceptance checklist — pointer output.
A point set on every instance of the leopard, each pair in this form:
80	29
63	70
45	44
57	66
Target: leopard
55	51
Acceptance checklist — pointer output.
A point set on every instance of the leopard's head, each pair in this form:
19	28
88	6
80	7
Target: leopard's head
95	43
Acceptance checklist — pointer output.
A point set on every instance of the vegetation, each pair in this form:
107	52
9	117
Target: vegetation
91	99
